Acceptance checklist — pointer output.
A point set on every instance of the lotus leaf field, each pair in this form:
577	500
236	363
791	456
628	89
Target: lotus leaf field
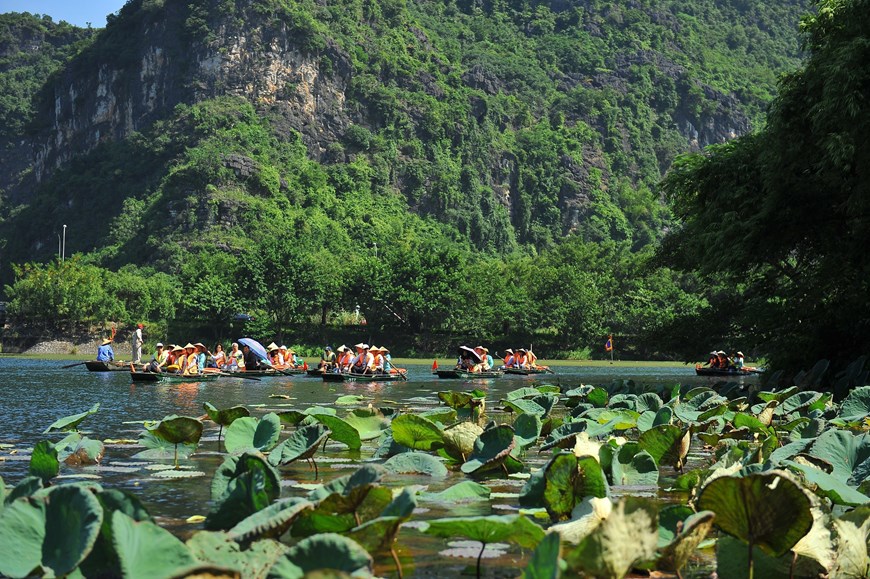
609	480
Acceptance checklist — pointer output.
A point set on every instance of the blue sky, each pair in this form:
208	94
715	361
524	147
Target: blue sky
78	12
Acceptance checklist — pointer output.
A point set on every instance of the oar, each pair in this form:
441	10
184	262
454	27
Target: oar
236	375
73	365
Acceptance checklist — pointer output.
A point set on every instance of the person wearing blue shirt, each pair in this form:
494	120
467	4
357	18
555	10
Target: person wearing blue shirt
105	352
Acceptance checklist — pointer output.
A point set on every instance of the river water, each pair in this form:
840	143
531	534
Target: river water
34	393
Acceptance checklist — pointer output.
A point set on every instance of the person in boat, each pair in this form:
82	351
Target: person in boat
173	362
328	360
219	358
737	361
713	361
251	362
485	358
388	360
345	360
235	359
202	355
105	353
521	359
377	366
363	361
158	361
275	357
722	360
508	359
531	359
290	358
191	363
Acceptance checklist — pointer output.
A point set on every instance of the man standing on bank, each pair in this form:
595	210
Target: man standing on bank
137	344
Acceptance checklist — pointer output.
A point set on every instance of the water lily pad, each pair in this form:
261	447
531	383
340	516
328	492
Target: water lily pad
219	550
158	448
842	450
527	429
302	444
516	529
55	530
242	485
827	485
667	444
246	433
631	465
416	463
628	535
464	491
686	533
145	550
769	509
416	432
369	423
178	474
177	429
43	461
350	400
491	450
340	430
271	522
77	450
459	439
71	422
323	552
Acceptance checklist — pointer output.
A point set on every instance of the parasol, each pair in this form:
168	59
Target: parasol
256	347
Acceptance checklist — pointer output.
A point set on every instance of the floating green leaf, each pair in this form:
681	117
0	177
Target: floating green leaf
491	449
369	423
416	432
349	400
270	522
248	433
464	491
76	450
633	466
768	509
219	550
667	444
628	536
515	529
242	485
43	461
416	463
340	430
147	551
323	552
71	422
54	530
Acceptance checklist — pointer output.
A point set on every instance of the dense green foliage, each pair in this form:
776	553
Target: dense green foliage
777	221
499	178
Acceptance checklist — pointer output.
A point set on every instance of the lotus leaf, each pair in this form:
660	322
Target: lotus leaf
645	420
146	550
242	485
515	529
380	532
71	422
349	400
158	448
178	429
271	522
853	545
416	432
617	419
528	429
788	451
667	444
388	447
856	406
631	465
341	512
585	518
219	550
546	401
25	488
226	416
522	405
769	396
649	401
768	509
544	563
680	533
340	430
362	478
459	439
797	402
416	463
302	444
732	560
843	450
458	400
323	552
76	450
628	536
440	416
581	391
562	483
564	436
491	449
369	423
464	491
54	531
830	486
698	391
248	433
598	397
525	392
43	461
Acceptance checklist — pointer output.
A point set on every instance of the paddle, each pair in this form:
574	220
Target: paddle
73	365
236	375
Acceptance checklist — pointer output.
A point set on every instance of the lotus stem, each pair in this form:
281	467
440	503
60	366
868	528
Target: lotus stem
359	521
395	560
480	556
176	456
220	431
750	560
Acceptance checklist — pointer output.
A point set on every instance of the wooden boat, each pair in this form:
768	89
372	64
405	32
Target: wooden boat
525	371
333	377
456	374
95	366
314	372
734	373
167	377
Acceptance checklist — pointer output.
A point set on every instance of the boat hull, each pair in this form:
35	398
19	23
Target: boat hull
166	377
332	377
719	372
463	375
95	366
524	371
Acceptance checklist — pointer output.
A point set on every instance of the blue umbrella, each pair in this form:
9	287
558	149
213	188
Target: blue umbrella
256	347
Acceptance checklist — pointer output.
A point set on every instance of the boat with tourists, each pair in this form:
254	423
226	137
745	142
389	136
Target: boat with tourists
527	371
734	372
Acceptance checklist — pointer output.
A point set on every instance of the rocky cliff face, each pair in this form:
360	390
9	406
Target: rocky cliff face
103	97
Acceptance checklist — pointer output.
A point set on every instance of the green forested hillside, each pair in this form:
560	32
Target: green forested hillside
497	175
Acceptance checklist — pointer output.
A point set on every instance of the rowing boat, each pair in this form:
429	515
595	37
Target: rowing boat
96	366
333	377
314	372
456	374
167	377
525	371
723	372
